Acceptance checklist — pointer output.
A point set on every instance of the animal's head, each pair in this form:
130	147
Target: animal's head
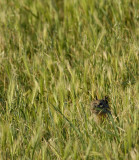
101	107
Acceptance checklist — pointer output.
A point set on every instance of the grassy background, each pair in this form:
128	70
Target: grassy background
54	59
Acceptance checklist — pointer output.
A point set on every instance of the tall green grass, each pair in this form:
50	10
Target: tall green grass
55	57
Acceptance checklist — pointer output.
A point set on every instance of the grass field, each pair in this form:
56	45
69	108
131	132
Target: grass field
55	58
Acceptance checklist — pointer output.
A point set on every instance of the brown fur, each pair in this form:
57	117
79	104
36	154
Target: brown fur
100	109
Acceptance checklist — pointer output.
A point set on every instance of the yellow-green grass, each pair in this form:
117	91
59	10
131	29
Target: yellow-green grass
54	59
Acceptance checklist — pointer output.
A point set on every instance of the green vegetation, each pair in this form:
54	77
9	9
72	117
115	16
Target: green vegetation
54	59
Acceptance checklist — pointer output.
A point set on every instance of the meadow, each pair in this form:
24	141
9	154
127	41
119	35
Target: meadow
55	57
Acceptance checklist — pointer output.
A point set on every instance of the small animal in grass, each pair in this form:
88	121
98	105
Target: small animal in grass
100	109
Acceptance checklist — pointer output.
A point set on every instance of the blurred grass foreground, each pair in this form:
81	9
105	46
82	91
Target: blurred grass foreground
55	57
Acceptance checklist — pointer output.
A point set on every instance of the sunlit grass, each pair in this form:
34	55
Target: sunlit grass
54	59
